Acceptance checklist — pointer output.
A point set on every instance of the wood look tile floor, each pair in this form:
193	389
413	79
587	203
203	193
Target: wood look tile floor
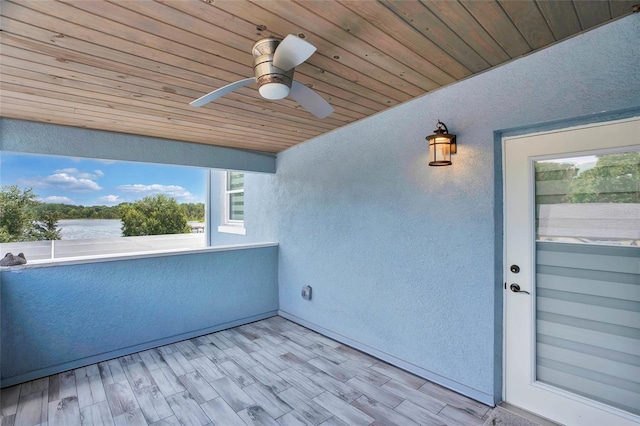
271	372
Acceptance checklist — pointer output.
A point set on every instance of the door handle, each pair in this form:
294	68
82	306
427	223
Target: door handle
516	289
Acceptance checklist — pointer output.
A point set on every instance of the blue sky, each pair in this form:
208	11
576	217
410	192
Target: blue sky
86	182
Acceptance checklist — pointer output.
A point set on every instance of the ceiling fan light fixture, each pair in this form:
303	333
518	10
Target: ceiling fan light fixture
273	91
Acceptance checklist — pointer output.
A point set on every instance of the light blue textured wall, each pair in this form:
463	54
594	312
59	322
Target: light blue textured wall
62	317
404	258
260	209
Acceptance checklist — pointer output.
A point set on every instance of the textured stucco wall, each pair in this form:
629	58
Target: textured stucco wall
260	209
62	317
404	259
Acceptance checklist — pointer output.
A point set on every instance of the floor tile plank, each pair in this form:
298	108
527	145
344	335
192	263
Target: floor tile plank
188	350
121	398
133	418
343	410
9	400
331	369
232	394
187	410
366	374
293	419
383	396
255	415
116	370
336	387
269	379
381	412
197	386
33	407
415	396
313	412
64	412
454	399
153	404
96	415
398	374
457	417
301	382
62	385
167	381
419	414
267	399
207	368
221	414
239	375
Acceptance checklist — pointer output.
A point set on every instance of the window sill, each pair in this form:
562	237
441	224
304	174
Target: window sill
232	229
133	256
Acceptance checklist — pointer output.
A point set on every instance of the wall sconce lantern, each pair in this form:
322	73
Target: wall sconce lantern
441	146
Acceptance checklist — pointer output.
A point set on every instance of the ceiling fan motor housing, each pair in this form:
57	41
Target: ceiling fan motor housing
264	70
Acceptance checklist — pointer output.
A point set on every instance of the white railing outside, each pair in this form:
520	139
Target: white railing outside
47	250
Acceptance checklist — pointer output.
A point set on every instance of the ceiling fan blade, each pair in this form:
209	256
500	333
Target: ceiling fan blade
220	92
310	100
291	52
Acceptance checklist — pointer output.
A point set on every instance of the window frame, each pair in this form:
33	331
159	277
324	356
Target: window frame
229	225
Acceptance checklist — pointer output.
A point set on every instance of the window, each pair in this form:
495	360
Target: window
55	207
233	204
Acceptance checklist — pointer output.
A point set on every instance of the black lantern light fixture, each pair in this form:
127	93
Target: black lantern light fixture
441	146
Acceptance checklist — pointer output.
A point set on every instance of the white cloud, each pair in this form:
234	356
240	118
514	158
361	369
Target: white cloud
173	191
72	171
68	182
54	199
110	199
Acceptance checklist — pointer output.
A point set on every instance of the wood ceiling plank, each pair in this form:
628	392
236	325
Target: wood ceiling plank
125	110
561	17
496	22
131	61
331	32
90	92
71	21
279	26
530	22
143	102
188	130
148	31
430	61
62	92
117	72
44	112
466	26
75	29
142	123
417	18
178	14
45	64
621	7
592	13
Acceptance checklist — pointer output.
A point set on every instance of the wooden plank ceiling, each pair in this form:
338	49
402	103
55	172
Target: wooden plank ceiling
134	65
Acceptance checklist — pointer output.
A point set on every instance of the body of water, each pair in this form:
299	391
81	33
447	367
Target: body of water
79	229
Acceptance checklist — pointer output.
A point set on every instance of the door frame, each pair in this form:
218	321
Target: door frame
502	138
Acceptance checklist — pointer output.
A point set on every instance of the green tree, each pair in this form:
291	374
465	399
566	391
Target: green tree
45	227
614	179
553	181
15	214
156	215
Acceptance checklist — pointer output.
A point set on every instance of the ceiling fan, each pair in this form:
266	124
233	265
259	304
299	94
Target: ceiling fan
274	62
